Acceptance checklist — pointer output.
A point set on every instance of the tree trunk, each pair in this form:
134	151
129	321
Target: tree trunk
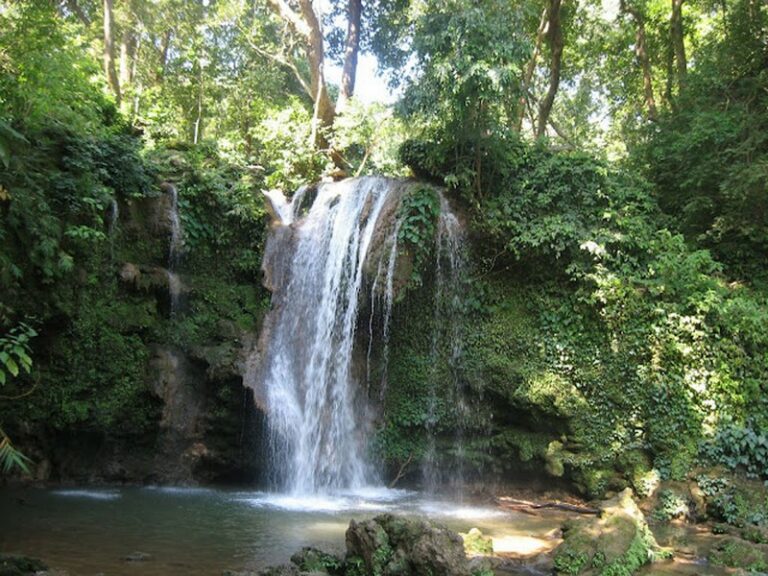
198	134
128	46
164	50
641	51
670	64
306	25
555	39
677	39
109	51
351	50
526	83
325	111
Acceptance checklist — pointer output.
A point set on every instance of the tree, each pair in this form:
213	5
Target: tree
351	50
554	34
303	24
641	52
109	50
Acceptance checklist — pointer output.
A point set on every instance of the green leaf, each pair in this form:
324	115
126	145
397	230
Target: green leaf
12	367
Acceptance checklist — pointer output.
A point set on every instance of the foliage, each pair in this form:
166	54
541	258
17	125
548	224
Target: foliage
735	501
10	457
15	351
368	137
417	217
286	148
669	506
739	447
707	155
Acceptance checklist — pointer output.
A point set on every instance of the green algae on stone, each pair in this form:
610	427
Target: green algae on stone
737	553
617	543
475	542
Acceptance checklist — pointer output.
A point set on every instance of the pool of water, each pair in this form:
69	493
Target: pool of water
205	531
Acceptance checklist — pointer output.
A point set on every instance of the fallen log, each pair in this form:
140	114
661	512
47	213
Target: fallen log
522	505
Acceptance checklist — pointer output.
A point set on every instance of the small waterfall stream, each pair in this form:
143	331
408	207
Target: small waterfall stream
175	250
322	265
447	341
113	219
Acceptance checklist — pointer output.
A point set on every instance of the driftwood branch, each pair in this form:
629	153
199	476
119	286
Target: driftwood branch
528	507
401	471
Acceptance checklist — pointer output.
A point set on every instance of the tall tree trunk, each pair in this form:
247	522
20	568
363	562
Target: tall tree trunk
109	51
525	85
325	111
165	48
198	134
641	51
138	88
677	39
555	40
351	50
306	25
670	64
128	44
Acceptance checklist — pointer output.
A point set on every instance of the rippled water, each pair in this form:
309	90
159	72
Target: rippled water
201	531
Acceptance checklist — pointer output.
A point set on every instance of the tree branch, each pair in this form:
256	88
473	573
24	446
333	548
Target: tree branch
294	21
283	61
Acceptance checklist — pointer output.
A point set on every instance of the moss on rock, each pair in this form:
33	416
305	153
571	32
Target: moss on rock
475	542
617	543
737	553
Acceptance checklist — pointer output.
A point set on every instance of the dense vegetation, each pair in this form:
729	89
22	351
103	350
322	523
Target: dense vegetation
610	166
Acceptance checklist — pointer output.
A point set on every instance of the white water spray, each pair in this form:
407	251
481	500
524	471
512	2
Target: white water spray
313	410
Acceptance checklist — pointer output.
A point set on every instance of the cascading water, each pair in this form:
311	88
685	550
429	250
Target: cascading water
323	263
313	411
113	223
175	249
447	341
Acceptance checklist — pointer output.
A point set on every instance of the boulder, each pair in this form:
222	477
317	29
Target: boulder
617	542
477	543
391	545
20	565
737	553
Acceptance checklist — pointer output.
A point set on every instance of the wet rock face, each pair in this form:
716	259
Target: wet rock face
390	545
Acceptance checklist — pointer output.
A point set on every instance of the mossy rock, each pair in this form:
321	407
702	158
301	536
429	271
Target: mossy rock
737	553
475	542
618	543
595	482
391	545
310	559
20	565
755	534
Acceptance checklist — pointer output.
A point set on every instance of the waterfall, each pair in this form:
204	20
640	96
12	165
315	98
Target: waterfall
447	340
175	249
113	219
332	256
314	414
